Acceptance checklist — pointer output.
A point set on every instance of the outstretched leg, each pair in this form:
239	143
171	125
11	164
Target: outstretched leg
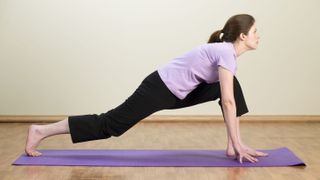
36	133
152	95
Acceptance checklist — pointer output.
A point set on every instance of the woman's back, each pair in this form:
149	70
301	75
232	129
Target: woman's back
185	72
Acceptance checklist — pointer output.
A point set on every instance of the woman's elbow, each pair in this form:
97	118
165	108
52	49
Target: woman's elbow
228	103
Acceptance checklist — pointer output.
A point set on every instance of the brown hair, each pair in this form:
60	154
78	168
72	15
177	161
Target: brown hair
235	25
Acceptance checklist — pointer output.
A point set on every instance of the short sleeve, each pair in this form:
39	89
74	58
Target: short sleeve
228	61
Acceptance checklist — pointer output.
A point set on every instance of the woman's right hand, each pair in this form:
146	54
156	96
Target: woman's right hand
243	155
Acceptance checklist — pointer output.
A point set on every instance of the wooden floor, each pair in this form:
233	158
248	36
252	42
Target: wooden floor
302	138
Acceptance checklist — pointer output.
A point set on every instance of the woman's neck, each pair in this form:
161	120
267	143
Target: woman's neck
239	47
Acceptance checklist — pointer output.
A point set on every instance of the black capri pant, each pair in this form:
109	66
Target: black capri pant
151	96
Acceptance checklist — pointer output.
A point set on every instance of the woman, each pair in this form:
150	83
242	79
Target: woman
203	74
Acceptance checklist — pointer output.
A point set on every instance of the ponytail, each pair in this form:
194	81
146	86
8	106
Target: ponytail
235	25
215	37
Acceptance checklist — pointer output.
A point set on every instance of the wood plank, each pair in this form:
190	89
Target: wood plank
302	138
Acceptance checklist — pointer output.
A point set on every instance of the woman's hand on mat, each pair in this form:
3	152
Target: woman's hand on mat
254	152
243	155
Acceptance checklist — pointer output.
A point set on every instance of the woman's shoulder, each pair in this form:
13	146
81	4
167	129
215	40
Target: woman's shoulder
222	46
219	48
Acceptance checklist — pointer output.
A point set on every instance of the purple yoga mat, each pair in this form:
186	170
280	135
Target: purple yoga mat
155	158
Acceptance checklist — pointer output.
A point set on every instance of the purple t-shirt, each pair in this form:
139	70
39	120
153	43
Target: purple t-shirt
184	73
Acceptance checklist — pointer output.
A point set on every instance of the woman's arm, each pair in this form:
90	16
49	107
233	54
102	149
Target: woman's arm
229	111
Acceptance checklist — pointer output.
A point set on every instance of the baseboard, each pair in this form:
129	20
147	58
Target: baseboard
170	118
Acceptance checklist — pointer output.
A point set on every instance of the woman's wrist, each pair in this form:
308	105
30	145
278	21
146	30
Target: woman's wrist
236	144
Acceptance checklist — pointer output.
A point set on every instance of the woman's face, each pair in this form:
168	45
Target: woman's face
251	40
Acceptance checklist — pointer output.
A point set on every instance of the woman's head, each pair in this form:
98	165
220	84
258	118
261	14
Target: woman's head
238	26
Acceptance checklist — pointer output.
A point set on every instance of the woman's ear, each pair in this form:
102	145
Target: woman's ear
242	37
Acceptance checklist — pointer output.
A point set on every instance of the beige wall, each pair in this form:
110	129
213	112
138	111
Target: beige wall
66	57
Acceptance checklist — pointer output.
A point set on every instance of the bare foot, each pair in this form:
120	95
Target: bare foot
33	140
